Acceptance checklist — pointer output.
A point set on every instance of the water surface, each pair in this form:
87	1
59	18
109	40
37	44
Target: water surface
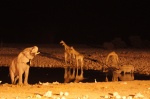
38	74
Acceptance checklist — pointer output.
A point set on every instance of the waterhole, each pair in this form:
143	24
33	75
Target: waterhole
65	75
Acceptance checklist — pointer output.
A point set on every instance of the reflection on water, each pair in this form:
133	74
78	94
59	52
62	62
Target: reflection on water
116	75
122	77
66	75
126	77
71	74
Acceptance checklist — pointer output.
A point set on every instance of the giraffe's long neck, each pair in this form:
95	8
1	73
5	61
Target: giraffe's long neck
66	46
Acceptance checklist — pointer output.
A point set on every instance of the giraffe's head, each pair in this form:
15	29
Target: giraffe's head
62	42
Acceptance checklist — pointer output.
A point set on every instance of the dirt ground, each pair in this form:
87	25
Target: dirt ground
95	90
53	56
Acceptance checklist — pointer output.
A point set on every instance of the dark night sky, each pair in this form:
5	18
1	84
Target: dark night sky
74	21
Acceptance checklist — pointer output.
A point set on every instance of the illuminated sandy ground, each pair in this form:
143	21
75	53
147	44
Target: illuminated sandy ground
99	90
53	56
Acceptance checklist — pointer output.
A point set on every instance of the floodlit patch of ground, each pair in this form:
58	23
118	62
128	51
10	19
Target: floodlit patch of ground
99	90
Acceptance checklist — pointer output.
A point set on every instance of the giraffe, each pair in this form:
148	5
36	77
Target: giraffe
79	58
67	53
